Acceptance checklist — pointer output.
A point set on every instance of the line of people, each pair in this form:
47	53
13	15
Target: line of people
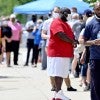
78	38
70	47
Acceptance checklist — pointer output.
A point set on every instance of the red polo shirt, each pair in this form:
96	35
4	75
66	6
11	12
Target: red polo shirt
56	46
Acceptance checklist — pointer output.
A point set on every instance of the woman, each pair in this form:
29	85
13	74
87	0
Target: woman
6	40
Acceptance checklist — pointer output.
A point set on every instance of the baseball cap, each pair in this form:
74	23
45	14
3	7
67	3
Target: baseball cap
88	12
12	16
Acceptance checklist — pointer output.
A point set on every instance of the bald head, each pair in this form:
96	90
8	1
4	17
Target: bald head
97	5
97	9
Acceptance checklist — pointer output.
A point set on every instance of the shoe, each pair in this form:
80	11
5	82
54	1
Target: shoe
43	69
35	65
72	75
76	75
26	65
8	66
61	96
15	64
71	89
53	89
86	87
53	98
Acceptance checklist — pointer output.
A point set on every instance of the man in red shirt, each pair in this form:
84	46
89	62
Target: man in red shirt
60	51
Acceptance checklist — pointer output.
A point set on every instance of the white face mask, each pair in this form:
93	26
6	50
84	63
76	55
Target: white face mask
55	15
69	17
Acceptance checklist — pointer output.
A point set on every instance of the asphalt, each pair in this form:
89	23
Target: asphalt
29	83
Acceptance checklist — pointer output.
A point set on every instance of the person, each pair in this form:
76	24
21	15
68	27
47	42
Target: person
92	39
30	44
76	23
0	46
37	39
45	35
16	36
6	40
59	51
84	60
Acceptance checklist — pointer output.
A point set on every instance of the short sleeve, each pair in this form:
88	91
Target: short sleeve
56	27
87	32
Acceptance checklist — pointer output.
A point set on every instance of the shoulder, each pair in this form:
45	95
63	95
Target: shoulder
56	21
48	21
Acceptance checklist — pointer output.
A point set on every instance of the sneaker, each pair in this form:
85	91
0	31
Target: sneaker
26	65
9	66
85	87
71	75
61	96
53	89
53	98
15	63
71	89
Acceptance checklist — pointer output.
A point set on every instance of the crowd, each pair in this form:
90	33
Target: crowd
67	43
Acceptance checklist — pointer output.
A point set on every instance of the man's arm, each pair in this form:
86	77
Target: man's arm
65	38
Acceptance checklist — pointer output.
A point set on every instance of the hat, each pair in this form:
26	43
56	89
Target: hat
12	16
88	13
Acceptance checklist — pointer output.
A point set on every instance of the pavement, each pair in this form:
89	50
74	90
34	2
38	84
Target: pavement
29	83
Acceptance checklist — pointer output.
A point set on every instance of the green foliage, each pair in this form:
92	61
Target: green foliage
6	6
90	1
24	1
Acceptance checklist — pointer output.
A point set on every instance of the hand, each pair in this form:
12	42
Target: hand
96	42
82	60
75	42
9	40
3	49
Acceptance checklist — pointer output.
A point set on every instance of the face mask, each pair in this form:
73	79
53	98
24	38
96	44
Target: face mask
69	17
55	15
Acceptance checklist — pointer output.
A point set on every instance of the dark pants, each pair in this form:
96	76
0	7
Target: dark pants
35	53
15	50
95	79
44	55
30	45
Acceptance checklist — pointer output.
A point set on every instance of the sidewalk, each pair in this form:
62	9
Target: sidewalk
28	83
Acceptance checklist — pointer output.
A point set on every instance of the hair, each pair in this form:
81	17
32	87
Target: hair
64	13
75	9
34	18
65	10
56	7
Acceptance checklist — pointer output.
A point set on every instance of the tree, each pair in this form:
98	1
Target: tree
91	2
6	6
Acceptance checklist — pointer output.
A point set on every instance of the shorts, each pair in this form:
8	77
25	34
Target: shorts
8	46
58	66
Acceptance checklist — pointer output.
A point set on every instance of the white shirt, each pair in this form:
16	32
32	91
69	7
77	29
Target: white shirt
29	24
46	27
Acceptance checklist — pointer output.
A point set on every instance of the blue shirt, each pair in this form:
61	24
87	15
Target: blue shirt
92	31
37	36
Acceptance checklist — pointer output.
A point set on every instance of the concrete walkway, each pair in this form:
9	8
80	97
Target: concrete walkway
28	83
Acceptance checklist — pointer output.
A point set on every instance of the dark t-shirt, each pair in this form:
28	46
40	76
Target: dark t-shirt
91	32
6	31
